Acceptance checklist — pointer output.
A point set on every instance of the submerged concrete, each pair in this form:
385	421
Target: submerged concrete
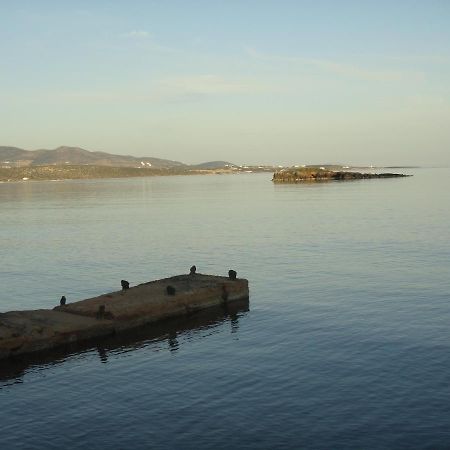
24	332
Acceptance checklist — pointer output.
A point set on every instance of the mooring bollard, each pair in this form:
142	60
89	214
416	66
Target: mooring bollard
192	270
125	285
62	302
232	274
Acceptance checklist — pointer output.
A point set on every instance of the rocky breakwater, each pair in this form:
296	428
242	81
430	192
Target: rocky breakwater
24	332
313	174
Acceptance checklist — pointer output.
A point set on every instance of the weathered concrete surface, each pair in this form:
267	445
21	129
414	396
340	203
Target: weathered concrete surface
30	331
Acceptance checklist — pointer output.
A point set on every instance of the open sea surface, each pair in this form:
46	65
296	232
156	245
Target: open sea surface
345	343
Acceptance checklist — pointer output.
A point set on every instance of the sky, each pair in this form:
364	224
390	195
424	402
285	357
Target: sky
248	81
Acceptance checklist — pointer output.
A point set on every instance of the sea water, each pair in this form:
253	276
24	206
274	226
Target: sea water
345	342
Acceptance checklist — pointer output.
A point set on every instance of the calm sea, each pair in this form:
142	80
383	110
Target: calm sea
345	343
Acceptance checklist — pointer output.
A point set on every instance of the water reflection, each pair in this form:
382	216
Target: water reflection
102	354
12	371
173	341
234	322
109	190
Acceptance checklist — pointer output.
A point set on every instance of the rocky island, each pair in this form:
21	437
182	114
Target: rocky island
297	175
24	332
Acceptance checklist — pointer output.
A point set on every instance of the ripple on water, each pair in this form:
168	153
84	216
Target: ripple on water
345	345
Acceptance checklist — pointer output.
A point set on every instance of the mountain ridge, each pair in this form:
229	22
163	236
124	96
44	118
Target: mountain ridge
67	155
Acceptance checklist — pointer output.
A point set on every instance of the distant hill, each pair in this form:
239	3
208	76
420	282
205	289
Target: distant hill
212	165
18	157
12	153
70	163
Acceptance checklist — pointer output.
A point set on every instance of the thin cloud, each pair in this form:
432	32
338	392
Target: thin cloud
421	59
136	34
208	85
337	68
145	40
174	89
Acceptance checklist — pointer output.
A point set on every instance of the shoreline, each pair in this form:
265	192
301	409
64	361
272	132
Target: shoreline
62	173
87	172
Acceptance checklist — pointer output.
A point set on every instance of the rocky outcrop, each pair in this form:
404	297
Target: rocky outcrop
31	331
310	174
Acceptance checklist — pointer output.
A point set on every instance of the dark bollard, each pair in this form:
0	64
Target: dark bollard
232	274
193	270
62	302
101	312
125	285
170	290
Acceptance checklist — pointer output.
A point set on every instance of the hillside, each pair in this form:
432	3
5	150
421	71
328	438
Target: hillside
212	165
17	157
18	164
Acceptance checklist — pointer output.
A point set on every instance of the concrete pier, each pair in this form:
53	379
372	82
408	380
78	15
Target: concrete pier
23	332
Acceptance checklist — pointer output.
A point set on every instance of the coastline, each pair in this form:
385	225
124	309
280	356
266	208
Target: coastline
74	172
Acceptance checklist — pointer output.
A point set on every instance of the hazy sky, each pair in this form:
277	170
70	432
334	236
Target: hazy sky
246	81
